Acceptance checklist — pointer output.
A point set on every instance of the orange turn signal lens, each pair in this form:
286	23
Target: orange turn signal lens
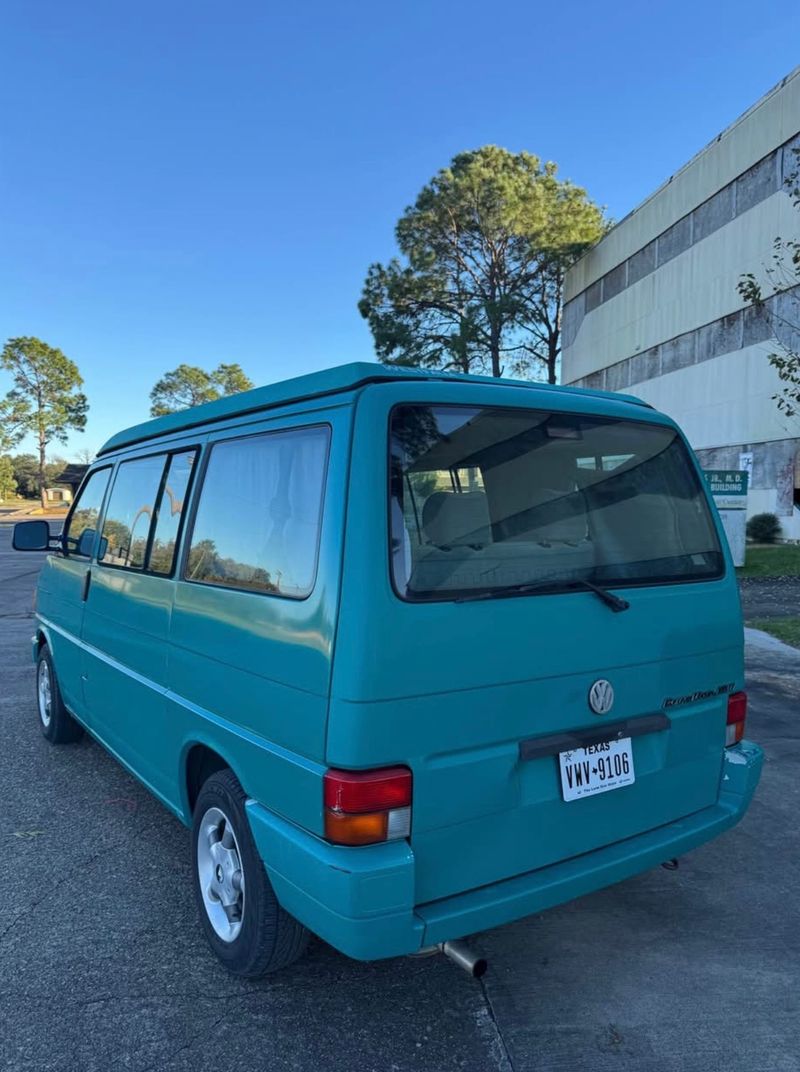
734	733
363	829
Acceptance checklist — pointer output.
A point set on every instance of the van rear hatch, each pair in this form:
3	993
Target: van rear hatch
557	582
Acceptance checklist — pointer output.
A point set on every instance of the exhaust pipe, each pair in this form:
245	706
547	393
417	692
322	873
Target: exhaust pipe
460	953
466	958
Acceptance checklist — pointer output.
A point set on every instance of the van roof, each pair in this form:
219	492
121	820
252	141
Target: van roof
316	385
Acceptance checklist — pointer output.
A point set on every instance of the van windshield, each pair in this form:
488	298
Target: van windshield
482	500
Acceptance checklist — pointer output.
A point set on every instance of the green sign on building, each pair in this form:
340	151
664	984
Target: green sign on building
729	488
727	482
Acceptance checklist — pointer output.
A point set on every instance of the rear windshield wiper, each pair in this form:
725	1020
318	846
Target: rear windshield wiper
610	600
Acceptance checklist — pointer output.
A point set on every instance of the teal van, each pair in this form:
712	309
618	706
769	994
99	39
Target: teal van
413	654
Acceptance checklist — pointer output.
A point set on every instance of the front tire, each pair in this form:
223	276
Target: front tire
240	915
55	721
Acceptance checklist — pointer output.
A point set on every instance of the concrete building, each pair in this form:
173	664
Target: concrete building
653	309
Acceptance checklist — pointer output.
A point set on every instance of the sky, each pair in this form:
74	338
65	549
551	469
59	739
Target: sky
206	183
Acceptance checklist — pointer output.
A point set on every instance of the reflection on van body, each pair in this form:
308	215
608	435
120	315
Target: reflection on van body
399	648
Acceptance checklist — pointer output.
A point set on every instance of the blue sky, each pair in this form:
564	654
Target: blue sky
209	182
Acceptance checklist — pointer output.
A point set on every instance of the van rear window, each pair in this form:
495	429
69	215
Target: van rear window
483	500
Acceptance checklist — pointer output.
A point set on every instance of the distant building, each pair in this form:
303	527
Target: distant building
653	309
72	475
58	496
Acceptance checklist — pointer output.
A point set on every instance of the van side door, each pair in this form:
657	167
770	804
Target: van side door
251	639
126	621
64	582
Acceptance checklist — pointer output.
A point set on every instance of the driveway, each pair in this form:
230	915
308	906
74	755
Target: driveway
103	967
770	597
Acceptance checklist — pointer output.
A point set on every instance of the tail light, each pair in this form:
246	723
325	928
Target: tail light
364	807
737	713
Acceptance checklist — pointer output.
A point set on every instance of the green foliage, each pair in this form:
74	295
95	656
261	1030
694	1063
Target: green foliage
782	274
189	385
763	528
205	563
13	414
785	629
45	401
779	560
484	251
230	379
26	474
8	484
53	470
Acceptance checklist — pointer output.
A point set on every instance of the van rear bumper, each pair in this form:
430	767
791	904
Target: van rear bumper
361	900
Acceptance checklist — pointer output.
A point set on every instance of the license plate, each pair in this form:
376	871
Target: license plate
585	772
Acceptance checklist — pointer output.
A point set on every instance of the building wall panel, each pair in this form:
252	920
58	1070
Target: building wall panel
770	123
693	289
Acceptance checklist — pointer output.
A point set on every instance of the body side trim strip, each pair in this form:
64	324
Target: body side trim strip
188	705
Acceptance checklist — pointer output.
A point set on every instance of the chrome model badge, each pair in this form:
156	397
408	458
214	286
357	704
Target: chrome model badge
601	697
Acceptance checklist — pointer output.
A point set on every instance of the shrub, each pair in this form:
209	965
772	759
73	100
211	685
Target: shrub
763	528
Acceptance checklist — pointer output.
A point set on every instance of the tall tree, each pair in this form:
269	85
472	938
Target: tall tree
484	251
45	401
189	385
12	422
777	299
230	379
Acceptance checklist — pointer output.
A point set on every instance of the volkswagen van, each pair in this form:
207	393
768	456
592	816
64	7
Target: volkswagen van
412	654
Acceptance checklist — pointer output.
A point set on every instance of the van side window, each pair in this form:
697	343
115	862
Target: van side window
170	511
258	520
607	463
81	527
130	511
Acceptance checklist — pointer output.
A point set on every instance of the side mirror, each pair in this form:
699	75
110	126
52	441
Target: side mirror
86	543
31	536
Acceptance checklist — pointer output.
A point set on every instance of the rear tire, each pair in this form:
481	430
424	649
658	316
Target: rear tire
239	913
55	721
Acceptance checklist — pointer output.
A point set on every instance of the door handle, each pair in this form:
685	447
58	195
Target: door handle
87	580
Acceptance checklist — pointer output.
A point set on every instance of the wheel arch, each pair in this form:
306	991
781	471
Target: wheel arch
199	760
40	639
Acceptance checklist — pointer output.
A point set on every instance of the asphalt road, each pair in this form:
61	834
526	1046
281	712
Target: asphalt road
103	967
771	597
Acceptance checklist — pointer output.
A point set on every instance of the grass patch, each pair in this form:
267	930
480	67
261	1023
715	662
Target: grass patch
783	560
785	629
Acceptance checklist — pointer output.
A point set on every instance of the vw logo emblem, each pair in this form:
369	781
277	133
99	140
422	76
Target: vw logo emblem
601	697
